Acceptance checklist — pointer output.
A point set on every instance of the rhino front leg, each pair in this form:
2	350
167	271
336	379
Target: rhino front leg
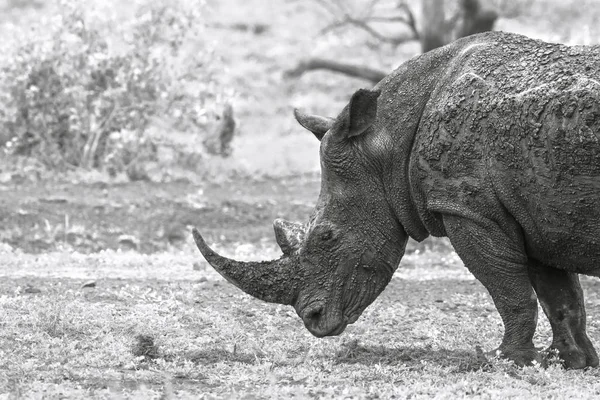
561	298
499	263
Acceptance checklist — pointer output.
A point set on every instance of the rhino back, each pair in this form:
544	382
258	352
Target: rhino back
514	136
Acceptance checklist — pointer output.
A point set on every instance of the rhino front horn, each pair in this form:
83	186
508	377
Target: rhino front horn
272	281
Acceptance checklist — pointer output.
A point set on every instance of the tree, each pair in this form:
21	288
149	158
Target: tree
435	28
436	31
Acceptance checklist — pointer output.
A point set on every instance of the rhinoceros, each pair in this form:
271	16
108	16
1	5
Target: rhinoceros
492	141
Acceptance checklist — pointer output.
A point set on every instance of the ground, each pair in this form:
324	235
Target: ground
146	317
104	295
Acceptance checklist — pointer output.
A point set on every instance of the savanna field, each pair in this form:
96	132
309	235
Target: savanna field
108	114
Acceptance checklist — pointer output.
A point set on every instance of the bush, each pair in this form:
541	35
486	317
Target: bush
81	88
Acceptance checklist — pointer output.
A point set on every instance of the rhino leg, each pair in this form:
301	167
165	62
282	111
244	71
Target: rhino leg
561	298
499	263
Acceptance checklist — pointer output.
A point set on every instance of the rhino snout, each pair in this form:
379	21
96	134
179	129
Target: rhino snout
319	324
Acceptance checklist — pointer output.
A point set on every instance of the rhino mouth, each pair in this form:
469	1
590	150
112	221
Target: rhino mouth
332	331
342	327
339	329
328	327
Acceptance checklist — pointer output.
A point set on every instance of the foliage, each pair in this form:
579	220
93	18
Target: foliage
82	88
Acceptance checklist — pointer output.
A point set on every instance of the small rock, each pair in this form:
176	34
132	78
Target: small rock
129	241
31	290
89	284
55	200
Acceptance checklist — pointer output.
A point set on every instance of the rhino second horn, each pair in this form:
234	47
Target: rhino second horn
289	235
272	281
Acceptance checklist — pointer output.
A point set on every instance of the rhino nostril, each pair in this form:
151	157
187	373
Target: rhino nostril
313	316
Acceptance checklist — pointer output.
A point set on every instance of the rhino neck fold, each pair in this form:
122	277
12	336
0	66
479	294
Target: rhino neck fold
406	93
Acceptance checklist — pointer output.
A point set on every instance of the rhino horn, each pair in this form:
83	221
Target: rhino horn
271	281
314	123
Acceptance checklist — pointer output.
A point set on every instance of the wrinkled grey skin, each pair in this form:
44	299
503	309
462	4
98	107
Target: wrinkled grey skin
493	141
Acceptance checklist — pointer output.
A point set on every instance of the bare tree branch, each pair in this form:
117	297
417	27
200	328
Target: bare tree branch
333	26
358	71
397	18
411	22
359	23
407	19
393	40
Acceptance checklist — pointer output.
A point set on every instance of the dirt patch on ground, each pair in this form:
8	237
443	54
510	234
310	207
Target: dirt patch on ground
147	216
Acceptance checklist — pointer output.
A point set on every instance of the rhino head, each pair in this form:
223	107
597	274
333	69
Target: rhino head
335	265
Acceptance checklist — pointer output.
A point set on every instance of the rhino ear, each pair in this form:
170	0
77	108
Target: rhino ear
314	123
289	235
362	111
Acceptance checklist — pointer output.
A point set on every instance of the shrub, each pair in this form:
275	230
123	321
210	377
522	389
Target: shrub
81	88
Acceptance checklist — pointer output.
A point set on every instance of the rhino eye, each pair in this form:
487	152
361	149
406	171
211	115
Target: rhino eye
325	233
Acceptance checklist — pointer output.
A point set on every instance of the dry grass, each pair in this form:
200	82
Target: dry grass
154	326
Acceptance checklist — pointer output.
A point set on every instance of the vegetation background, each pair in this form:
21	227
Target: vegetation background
124	124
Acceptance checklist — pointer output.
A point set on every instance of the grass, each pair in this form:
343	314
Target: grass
167	326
